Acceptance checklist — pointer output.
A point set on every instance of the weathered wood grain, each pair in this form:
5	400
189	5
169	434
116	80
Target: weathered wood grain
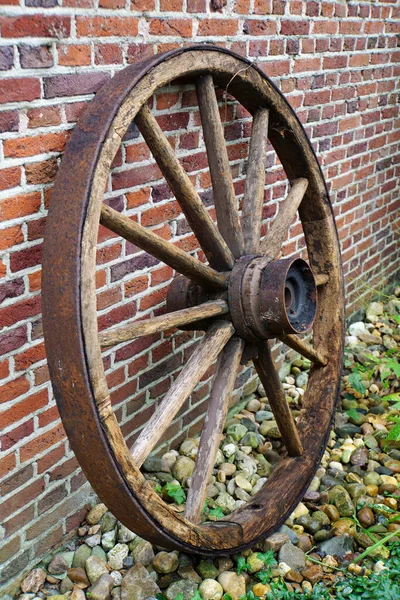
253	199
223	386
161	323
201	359
220	170
214	246
296	343
272	242
276	396
171	255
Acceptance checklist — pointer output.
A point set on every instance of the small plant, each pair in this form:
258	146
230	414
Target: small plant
242	565
216	512
176	492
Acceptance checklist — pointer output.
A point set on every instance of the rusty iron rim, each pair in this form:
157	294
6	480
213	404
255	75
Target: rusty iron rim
121	486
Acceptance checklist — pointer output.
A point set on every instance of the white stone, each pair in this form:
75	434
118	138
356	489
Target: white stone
300	510
115	557
356	328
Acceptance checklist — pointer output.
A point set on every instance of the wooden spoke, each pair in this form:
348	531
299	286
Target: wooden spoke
220	170
255	180
283	416
304	349
211	435
201	359
171	255
163	322
215	248
271	244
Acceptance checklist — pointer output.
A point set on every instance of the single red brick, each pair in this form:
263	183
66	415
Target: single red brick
327	27
13	339
295	27
108	253
32	26
173	121
6	58
23	408
138	52
28	257
74	84
4	369
11	289
171	5
307	64
316	97
30	356
196	6
136	285
359	60
9	439
17	522
349	27
105	26
74	55
7	464
35	57
41	443
137	153
20	311
259	27
10	177
9	121
108	298
51	458
143	5
9	549
112	3
212	26
39	144
160	275
16	480
44	116
263	7
19	89
135	177
41	172
108	54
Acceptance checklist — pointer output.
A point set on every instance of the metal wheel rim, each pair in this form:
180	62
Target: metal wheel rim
123	488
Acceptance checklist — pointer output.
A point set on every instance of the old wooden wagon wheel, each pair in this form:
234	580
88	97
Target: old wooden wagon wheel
244	296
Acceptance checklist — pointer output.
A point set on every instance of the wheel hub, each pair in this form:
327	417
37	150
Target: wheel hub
269	298
266	298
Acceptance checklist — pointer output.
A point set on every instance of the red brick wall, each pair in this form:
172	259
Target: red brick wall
337	62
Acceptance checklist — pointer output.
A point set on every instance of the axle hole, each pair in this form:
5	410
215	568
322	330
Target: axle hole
288	297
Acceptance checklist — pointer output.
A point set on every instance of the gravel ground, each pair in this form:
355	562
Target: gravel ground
352	503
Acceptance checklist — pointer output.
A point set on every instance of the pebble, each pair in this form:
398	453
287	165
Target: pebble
33	581
211	590
232	584
165	562
58	565
137	584
243	483
96	513
292	556
101	590
95	568
116	556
